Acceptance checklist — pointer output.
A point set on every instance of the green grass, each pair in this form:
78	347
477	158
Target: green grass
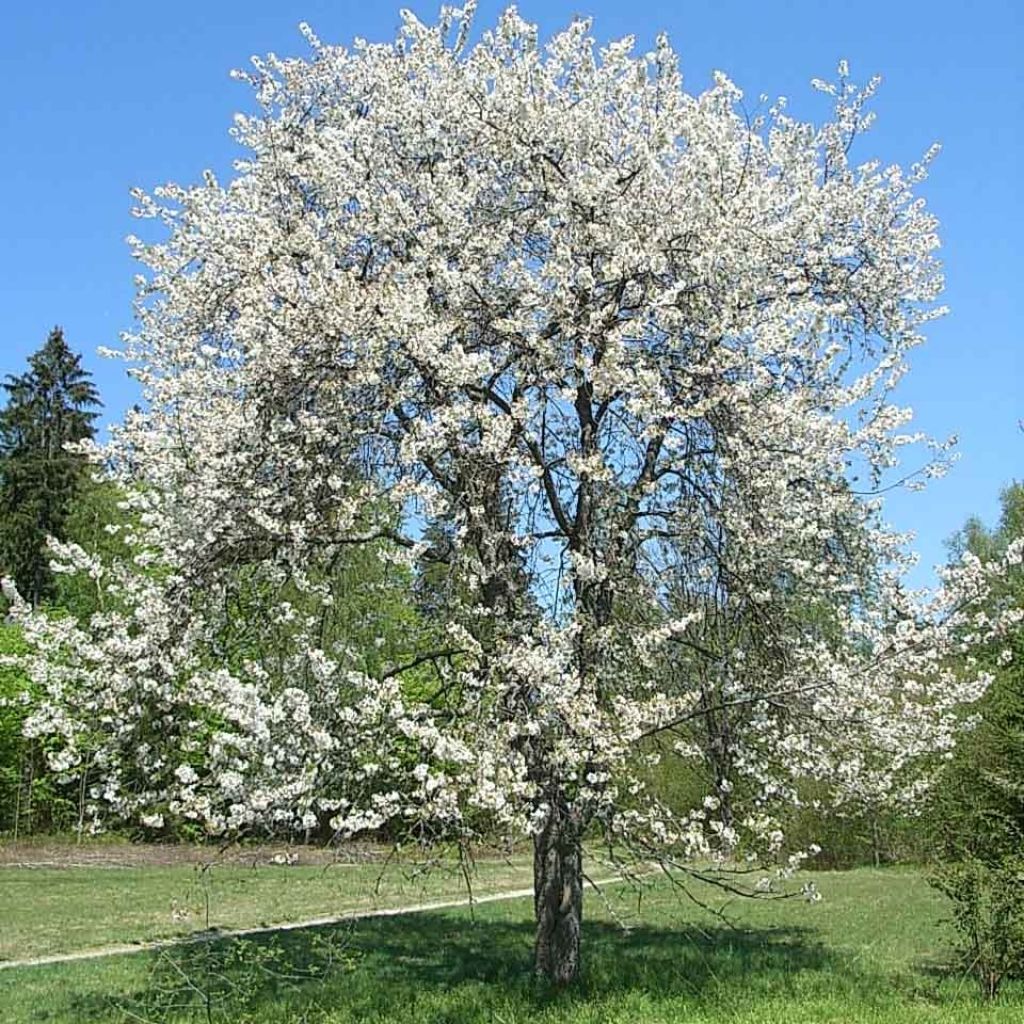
871	952
62	910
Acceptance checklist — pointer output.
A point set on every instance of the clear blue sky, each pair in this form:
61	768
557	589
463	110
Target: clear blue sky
101	96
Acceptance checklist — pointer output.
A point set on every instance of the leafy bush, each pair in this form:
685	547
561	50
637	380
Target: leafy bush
31	798
988	913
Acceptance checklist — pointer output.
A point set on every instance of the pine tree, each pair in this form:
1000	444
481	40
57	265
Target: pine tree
51	405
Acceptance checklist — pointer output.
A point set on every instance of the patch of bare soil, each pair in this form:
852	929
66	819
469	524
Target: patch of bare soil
62	853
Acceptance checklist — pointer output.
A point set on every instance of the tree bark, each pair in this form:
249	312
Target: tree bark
558	897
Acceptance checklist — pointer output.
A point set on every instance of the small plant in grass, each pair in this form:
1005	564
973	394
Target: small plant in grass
221	981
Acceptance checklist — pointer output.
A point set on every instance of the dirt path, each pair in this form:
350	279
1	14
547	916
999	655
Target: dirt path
315	922
57	854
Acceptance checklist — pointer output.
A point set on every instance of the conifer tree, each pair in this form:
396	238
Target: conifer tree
48	407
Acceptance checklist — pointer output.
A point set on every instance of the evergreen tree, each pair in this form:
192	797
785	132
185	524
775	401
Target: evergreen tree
51	405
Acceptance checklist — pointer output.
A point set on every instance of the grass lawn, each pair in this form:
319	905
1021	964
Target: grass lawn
871	952
46	910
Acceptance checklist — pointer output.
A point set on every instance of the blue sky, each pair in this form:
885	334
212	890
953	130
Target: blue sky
103	96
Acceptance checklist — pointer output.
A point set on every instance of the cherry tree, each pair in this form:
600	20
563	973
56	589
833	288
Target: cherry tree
612	360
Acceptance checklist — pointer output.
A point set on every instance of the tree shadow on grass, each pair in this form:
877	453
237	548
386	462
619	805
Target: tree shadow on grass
445	966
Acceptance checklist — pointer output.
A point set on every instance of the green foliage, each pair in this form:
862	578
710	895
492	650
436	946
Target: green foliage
977	811
988	913
852	837
978	808
31	797
51	405
95	522
12	712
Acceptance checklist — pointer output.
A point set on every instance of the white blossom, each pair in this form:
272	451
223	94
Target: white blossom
635	348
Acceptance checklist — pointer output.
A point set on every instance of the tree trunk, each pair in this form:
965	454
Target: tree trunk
558	897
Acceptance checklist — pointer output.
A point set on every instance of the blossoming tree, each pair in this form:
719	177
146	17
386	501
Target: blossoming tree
614	360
